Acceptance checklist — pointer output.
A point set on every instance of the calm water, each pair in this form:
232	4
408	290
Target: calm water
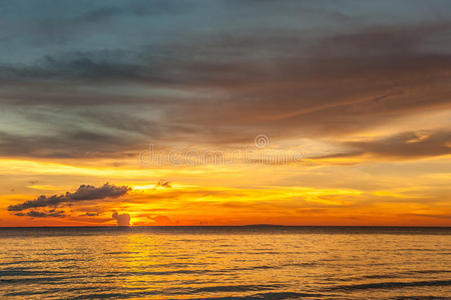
225	263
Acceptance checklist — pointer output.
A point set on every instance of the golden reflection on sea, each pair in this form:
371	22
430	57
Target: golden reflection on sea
196	263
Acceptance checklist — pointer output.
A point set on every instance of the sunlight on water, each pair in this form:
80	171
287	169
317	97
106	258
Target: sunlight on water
184	263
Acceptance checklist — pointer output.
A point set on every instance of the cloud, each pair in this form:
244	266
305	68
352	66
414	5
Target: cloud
89	214
406	145
163	183
304	77
409	144
66	144
122	219
40	214
83	193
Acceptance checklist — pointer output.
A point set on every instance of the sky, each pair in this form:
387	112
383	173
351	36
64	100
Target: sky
225	113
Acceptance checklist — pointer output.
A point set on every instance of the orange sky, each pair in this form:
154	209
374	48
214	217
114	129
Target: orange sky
308	192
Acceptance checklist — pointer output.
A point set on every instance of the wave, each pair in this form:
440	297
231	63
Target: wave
21	262
392	284
24	272
270	295
235	288
45	280
396	275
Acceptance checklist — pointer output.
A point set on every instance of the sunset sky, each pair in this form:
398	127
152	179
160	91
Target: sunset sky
225	113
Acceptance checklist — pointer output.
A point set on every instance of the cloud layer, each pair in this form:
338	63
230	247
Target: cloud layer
317	71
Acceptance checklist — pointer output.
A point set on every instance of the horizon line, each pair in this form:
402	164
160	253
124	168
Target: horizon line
247	225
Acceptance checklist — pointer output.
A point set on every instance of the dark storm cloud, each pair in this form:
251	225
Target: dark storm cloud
83	193
218	73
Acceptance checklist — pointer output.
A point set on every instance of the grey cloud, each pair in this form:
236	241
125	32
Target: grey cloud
39	214
163	183
90	214
226	84
83	193
76	143
136	8
101	65
122	219
406	145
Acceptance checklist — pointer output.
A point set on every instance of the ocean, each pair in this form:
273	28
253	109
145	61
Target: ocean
250	262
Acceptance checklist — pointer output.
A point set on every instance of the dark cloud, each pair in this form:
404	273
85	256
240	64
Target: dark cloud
136	8
68	144
103	65
39	214
167	79
163	183
318	93
89	214
83	193
122	219
405	145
